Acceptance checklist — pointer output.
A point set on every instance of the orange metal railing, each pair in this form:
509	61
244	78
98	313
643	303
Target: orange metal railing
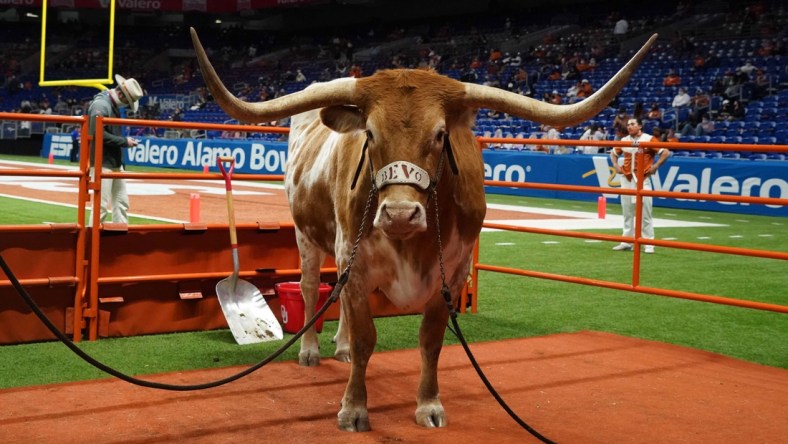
86	277
637	240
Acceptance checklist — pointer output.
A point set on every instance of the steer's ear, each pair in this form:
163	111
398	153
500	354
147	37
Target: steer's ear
343	118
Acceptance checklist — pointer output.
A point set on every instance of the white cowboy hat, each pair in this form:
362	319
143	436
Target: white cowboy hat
131	89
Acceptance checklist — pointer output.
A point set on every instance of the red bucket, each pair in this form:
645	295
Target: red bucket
291	304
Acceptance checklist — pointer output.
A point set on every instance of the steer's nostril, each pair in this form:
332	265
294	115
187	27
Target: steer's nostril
416	214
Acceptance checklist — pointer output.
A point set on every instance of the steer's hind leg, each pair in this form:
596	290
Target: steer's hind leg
342	353
311	259
429	410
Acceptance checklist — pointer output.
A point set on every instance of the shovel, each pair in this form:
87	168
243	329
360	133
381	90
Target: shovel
247	313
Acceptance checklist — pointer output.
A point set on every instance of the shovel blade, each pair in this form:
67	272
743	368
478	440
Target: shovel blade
247	313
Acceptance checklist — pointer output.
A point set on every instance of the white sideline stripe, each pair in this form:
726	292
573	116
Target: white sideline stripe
584	220
735	236
592	241
218	183
504	244
742	220
551	242
88	207
765	235
704	237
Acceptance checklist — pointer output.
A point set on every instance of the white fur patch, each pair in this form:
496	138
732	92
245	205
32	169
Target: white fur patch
322	162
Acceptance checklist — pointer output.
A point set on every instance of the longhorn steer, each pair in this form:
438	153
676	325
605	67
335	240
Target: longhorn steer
409	122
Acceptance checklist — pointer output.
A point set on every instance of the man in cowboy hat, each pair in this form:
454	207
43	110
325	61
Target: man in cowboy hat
108	103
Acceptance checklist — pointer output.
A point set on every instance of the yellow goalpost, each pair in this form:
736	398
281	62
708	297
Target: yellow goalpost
96	83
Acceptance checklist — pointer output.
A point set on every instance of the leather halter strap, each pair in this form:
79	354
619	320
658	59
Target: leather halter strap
411	174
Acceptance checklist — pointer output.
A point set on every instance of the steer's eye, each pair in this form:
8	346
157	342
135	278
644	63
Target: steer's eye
440	136
369	135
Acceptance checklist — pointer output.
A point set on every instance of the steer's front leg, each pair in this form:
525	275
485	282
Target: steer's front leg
429	410
353	417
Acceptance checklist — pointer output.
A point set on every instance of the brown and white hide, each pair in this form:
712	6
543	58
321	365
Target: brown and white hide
405	117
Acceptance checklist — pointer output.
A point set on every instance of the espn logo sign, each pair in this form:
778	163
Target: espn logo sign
61	145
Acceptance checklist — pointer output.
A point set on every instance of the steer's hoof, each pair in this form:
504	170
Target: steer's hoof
431	416
353	420
342	355
309	358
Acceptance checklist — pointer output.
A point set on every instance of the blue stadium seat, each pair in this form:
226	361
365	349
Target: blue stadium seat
718	139
714	154
749	139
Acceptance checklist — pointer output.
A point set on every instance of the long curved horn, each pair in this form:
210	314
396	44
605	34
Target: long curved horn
319	95
480	96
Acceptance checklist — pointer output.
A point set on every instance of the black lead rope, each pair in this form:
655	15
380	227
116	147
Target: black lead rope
343	278
157	385
458	334
446	293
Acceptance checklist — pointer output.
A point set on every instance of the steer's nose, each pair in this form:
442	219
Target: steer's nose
402	219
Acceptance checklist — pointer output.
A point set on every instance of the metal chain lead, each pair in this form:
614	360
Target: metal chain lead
346	272
444	288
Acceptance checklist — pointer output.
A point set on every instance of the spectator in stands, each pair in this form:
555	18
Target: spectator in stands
621	29
552	133
582	66
671	79
516	60
592	132
736	111
521	78
495	56
762	82
571	93
703	128
555	98
585	89
657	134
655	112
653	159
619	126
748	67
670	135
300	77
700	101
699	63
108	103
681	99
681	44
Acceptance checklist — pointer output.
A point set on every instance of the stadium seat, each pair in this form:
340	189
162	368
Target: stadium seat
749	139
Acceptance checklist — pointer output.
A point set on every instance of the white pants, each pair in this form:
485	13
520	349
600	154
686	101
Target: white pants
114	196
628	208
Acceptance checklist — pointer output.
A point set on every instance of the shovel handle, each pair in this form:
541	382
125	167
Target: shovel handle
228	174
